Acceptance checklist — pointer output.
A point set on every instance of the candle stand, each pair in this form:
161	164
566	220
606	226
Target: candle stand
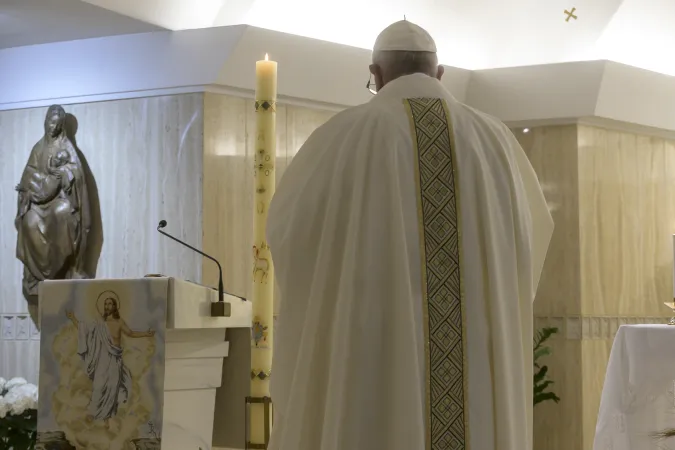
268	422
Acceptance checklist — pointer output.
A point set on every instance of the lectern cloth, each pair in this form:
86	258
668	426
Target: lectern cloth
408	236
638	397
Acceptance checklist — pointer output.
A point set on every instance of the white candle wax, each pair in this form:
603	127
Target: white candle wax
266	79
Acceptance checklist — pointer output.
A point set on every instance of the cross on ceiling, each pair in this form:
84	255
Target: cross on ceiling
570	14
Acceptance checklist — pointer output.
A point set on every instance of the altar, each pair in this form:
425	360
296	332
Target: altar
638	398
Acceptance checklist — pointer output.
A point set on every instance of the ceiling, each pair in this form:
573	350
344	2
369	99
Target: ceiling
471	34
30	22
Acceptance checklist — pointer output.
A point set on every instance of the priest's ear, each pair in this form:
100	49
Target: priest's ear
440	72
376	72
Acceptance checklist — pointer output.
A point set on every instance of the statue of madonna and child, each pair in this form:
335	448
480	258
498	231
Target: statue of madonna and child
53	216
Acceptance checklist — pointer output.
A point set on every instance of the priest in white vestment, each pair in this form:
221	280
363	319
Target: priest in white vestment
408	237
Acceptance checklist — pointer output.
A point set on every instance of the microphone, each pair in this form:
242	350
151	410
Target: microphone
219	308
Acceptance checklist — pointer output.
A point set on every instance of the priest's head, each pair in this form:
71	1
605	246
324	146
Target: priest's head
404	48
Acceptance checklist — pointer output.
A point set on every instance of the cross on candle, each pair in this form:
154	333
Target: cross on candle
570	14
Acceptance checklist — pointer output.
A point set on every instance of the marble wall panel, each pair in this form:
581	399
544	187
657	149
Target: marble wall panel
552	152
229	132
146	158
557	425
627	218
594	359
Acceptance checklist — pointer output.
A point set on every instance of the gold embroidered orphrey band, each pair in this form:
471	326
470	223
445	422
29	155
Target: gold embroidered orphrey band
443	293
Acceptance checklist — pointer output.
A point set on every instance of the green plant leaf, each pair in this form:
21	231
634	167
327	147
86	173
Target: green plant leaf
546	396
541	383
540	375
542	351
539	388
543	335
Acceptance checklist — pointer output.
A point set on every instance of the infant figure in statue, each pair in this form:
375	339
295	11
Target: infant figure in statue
57	182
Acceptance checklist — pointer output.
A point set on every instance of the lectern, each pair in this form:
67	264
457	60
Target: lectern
113	350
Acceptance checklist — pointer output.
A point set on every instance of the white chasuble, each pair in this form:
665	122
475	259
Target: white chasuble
408	236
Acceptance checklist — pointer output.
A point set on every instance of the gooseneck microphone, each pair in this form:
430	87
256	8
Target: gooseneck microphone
220	308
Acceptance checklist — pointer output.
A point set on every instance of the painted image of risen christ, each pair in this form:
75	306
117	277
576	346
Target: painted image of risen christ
100	347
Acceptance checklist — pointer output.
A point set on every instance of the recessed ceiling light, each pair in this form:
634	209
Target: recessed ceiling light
526	130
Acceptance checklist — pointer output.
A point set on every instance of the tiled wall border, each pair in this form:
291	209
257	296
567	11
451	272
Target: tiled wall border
18	327
592	327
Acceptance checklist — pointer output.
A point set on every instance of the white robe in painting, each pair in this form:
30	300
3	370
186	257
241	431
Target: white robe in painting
111	380
352	358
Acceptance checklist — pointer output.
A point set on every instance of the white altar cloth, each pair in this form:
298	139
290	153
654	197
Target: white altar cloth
638	398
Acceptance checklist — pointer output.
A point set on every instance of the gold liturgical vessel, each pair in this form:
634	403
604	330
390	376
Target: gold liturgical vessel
671	305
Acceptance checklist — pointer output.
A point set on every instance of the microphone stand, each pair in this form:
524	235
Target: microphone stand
219	308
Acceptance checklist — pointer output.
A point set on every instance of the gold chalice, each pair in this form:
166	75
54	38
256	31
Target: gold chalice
671	305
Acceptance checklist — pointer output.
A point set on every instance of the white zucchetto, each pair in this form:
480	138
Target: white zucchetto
404	36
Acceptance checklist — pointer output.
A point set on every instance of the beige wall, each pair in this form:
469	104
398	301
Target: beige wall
146	158
610	261
553	154
627	200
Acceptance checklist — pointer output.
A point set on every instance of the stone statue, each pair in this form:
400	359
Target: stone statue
53	216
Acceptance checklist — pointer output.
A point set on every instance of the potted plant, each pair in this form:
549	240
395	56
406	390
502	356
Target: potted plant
18	414
541	381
